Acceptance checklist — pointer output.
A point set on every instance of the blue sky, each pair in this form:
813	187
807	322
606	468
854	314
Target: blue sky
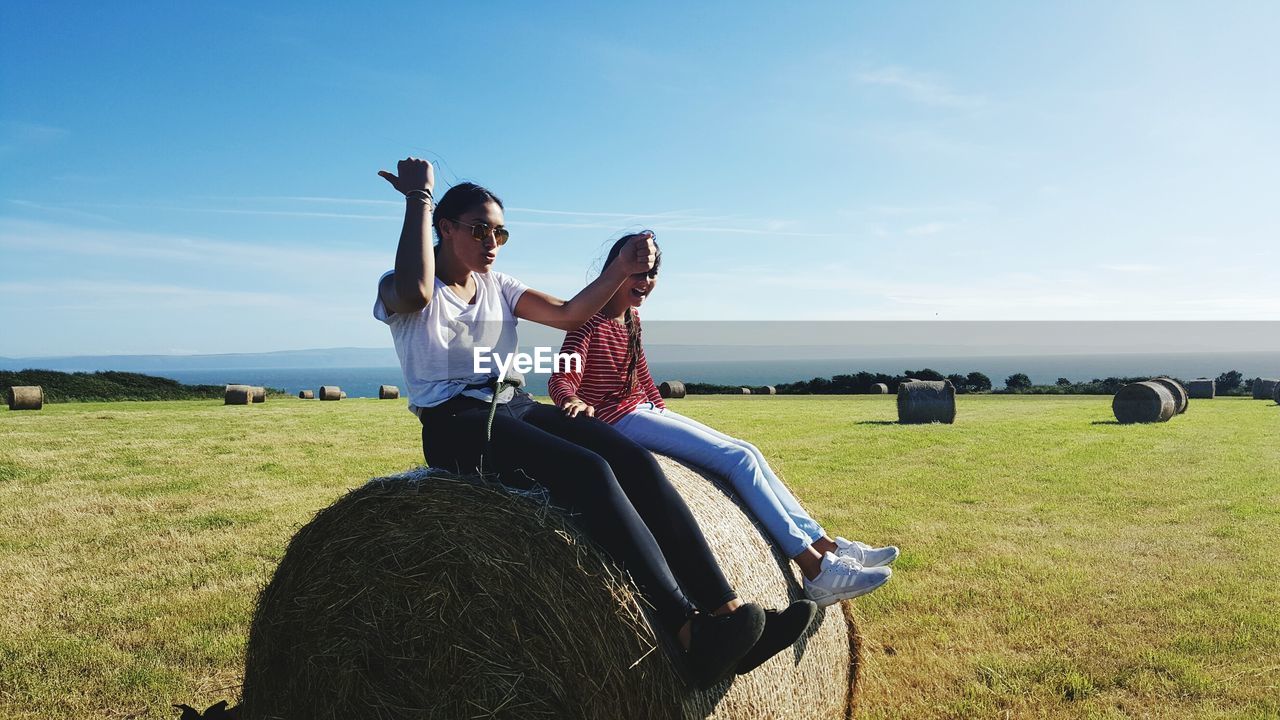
202	178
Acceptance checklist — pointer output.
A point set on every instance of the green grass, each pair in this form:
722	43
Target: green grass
1054	564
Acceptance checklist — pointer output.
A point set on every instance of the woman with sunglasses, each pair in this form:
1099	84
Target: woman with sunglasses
443	303
614	385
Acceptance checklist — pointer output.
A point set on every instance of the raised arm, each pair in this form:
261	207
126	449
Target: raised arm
408	289
637	256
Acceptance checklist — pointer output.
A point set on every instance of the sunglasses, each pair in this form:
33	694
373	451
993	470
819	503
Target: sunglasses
480	231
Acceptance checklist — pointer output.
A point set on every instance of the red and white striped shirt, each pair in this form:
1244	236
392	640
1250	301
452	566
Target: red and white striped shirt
601	342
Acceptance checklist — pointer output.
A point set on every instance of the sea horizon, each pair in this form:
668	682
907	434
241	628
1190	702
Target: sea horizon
364	381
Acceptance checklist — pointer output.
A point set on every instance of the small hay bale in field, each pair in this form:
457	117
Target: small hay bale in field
744	391
1276	394
1178	392
342	395
429	595
671	389
26	397
926	401
879	389
330	392
306	395
237	395
1264	388
1144	402
388	392
1202	389
768	390
259	394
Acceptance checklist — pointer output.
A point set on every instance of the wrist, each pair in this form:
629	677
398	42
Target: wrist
420	198
616	273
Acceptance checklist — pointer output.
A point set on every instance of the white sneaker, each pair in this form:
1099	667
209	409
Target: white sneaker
841	579
864	554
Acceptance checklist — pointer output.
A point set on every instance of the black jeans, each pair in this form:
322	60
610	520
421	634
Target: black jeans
613	488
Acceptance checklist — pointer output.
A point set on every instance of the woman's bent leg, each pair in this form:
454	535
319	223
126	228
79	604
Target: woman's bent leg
575	479
657	502
666	435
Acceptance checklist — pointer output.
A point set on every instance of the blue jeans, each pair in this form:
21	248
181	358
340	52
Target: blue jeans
670	433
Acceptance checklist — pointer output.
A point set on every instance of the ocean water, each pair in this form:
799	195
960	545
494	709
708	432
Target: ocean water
1043	370
355	381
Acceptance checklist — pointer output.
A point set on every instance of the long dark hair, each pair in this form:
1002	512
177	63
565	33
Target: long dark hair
461	198
633	327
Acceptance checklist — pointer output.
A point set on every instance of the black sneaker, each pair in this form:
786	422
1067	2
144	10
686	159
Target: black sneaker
781	629
718	642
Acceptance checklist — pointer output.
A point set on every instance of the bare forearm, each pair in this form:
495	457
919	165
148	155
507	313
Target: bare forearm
591	298
414	277
415	259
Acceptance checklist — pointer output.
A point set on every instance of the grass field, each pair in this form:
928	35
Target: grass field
1054	564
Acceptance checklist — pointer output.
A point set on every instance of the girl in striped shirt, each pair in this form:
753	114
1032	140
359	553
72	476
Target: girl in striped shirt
614	385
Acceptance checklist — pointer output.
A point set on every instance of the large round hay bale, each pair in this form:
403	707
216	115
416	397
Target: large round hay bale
768	390
1144	402
237	395
1276	394
26	397
342	395
744	391
330	392
259	394
671	389
1179	393
1264	388
926	401
388	392
425	595
880	389
306	395
1202	389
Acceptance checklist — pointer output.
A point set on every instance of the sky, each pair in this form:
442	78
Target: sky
201	178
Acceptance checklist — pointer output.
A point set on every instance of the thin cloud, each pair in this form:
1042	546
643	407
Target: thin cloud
1139	268
196	252
16	136
919	88
926	229
59	210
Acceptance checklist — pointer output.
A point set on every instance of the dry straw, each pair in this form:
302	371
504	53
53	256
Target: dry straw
880	389
1144	402
926	401
1202	389
1175	388
1264	388
259	394
427	595
26	397
388	392
330	392
237	395
671	389
306	395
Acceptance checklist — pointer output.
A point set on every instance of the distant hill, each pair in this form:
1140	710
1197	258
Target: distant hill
105	386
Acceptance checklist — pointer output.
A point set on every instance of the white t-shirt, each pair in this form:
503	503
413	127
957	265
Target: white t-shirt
436	344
